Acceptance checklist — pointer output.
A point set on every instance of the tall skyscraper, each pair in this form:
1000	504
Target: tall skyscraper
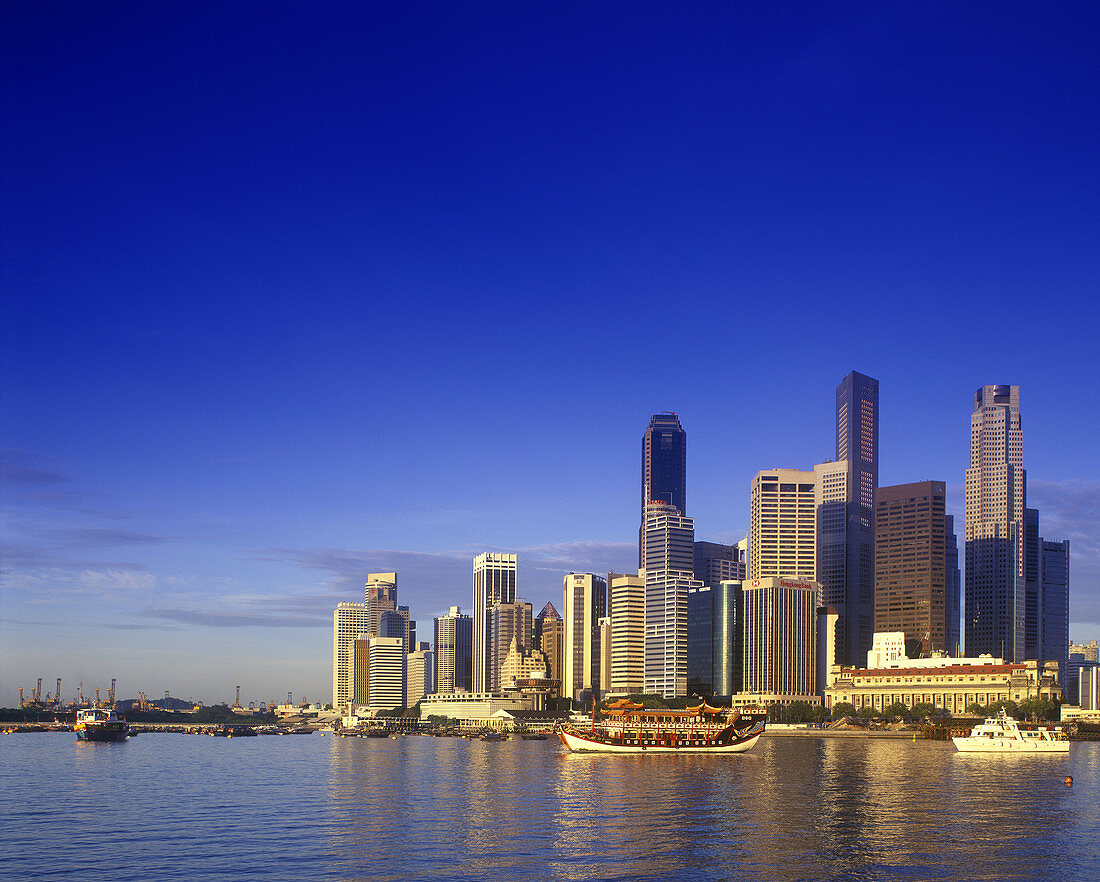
550	639
911	567
627	592
494	582
996	539
664	466
380	595
780	657
668	541
420	673
1054	605
453	641
952	582
715	563
728	637
508	623
857	443
783	524
700	641
349	621
584	604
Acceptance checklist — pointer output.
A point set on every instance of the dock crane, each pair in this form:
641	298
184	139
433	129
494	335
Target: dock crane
80	694
111	694
37	698
21	702
97	696
57	694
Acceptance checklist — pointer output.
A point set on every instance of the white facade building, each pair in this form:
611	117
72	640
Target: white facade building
780	652
627	633
494	582
349	620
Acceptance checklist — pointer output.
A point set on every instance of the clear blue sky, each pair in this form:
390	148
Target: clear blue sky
294	292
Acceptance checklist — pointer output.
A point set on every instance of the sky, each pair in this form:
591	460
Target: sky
297	292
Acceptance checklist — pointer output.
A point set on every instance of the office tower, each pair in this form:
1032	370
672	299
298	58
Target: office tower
952	582
359	695
728	635
995	537
584	604
391	624
420	669
349	620
1054	605
857	443
494	582
519	664
664	466
550	639
668	541
715	563
386	673
780	657
605	655
1089	688
1082	656
627	633
783	524
1032	605
508	622
453	642
380	595
832	498
910	565
700	641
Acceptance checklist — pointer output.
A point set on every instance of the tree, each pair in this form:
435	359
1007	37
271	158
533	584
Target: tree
843	709
924	709
896	711
977	710
867	713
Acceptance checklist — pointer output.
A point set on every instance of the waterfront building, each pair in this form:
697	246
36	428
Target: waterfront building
453	642
627	592
700	641
952	582
780	649
1089	679
479	709
1087	651
887	647
911	565
494	582
668	547
420	669
584	604
783	524
549	638
728	636
378	673
833	491
857	412
664	466
520	663
996	543
349	620
951	684
605	655
714	563
508	622
1053	605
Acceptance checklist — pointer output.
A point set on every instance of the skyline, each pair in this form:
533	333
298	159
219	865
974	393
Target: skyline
294	298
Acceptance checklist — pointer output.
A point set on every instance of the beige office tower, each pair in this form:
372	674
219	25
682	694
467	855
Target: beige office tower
627	592
420	671
605	655
783	524
494	582
508	622
996	542
910	565
349	620
380	595
387	662
780	648
550	639
584	604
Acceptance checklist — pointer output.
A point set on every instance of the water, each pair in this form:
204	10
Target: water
296	807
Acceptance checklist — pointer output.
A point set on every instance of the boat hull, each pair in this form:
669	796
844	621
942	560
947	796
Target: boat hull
733	742
105	732
1008	745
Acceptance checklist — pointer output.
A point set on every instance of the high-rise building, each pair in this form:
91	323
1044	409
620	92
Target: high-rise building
664	466
715	563
668	541
1054	605
606	637
349	621
780	657
453	641
584	604
996	539
952	586
911	566
549	638
857	443
508	623
832	503
627	592
700	641
728	639
783	524
494	582
386	661
520	664
420	673
380	595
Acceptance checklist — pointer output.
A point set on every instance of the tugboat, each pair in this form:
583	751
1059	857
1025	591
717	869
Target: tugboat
634	728
100	724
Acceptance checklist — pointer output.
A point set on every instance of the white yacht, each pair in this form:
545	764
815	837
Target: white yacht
1002	733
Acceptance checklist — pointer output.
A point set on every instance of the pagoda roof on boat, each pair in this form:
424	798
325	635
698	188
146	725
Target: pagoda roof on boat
625	707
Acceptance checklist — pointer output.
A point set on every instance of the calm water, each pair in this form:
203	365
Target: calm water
297	807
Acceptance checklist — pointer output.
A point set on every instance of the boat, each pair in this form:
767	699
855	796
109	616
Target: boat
628	727
100	724
1003	734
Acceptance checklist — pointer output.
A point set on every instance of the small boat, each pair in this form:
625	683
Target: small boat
1003	734
633	728
492	736
100	724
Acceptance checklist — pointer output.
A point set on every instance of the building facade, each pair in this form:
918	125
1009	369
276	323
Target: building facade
1053	606
453	652
627	596
584	604
714	563
952	582
783	524
911	565
508	623
349	621
494	582
420	673
780	640
664	462
549	638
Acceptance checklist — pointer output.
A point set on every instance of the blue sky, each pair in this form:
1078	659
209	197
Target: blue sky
296	292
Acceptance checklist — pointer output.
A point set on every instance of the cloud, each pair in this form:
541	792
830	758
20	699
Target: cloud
227	619
101	538
18	468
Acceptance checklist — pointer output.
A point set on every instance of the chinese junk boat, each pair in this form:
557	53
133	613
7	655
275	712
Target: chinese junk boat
632	728
100	724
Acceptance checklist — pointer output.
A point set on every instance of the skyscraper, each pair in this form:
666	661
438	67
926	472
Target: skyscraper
349	621
664	465
783	524
584	604
996	539
857	443
494	582
668	541
550	639
508	623
715	563
453	639
910	565
627	592
1054	605
780	639
952	582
